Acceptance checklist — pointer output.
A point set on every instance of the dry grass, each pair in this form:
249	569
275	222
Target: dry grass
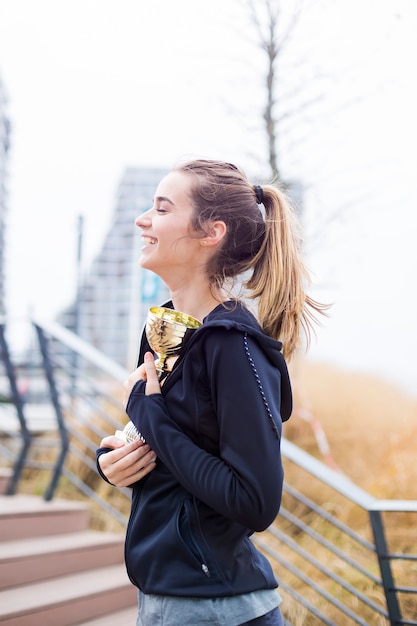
371	427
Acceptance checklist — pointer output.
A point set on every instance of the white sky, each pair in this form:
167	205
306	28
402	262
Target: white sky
95	86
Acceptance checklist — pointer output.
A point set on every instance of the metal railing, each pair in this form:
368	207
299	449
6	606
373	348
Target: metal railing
367	571
341	555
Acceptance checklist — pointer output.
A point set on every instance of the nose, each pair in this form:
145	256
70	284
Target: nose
144	219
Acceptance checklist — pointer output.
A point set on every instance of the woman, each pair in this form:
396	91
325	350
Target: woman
210	473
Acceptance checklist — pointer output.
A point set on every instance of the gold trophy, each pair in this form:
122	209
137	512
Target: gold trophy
167	332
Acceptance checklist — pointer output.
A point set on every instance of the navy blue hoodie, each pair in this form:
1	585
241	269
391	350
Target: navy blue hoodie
216	430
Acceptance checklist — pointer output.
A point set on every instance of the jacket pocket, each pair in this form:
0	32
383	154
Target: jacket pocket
185	532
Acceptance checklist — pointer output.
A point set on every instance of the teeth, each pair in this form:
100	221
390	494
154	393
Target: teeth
149	241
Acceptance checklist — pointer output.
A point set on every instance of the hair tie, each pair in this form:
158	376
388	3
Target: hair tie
259	192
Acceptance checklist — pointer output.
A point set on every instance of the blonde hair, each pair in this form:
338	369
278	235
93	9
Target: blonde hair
268	248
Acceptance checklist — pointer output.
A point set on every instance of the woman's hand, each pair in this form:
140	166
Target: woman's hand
147	371
126	463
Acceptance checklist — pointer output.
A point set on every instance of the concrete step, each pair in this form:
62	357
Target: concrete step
127	617
23	516
29	560
68	600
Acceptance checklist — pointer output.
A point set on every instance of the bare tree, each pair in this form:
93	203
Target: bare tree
273	34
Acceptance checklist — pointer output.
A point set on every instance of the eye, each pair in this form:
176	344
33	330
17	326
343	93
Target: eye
161	210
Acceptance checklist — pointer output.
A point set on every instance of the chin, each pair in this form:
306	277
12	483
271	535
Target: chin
146	264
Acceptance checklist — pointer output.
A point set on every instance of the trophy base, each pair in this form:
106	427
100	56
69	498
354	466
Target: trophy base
129	434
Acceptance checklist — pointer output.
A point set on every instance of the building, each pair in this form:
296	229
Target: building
113	300
4	151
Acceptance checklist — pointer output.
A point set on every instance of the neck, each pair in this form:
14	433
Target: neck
196	302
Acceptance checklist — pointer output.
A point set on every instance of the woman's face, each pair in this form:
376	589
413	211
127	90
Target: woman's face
169	242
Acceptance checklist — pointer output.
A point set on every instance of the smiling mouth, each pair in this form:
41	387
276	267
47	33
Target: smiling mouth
149	241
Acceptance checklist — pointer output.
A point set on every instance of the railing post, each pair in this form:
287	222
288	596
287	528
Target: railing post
25	434
43	344
377	524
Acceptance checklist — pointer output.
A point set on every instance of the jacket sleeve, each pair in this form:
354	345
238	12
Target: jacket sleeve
243	483
99	452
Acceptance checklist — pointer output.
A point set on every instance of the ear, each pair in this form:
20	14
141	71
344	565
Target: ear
215	234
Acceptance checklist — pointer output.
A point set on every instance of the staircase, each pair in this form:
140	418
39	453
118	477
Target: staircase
56	572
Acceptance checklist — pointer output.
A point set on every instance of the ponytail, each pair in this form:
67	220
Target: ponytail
279	276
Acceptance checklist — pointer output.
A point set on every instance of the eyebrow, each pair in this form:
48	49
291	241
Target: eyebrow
164	199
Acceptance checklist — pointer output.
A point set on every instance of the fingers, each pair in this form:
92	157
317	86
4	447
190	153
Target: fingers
138	374
111	442
127	464
152	384
146	371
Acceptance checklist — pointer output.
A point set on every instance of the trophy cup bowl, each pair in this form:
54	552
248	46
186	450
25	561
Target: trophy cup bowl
167	331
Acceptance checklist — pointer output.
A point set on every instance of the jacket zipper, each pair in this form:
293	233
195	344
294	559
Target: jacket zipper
196	549
205	570
204	566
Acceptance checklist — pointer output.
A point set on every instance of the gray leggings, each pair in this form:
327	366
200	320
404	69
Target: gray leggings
165	611
273	618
